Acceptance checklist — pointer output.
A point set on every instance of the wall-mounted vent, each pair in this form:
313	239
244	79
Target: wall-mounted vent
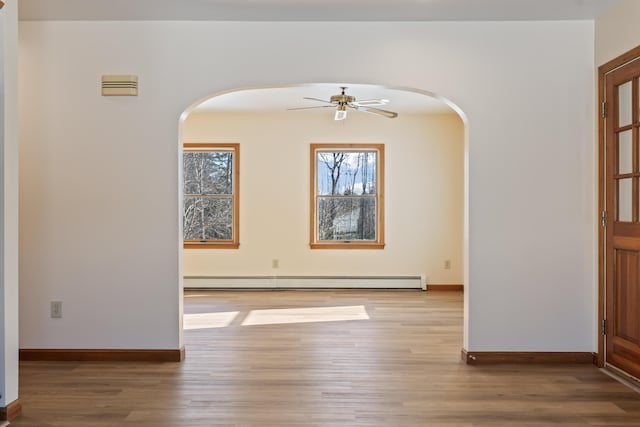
120	85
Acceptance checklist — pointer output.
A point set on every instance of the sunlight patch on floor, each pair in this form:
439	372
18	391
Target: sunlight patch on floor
305	315
208	320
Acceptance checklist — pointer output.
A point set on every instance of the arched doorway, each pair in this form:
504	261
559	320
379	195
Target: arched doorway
274	193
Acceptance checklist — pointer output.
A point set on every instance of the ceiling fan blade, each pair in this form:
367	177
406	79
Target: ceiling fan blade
371	102
385	113
318	99
308	108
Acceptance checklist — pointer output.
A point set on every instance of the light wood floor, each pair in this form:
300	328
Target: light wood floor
398	368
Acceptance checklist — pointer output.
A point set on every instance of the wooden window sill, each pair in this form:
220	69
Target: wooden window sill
346	245
211	245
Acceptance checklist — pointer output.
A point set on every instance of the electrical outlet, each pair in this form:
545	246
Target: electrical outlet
447	264
56	309
275	263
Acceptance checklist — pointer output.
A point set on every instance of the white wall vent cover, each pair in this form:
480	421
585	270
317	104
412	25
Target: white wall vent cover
120	85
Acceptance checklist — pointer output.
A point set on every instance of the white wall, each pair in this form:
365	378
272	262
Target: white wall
423	194
617	31
99	181
9	204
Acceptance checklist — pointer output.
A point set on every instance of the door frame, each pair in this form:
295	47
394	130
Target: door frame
603	70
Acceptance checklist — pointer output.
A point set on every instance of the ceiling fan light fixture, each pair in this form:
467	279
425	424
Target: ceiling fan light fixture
341	113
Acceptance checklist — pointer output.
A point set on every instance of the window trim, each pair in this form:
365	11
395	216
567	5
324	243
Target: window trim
314	243
234	243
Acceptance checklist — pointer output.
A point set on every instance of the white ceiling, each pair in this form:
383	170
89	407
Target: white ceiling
282	98
312	10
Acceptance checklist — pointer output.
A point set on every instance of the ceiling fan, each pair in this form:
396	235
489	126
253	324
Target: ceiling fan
343	101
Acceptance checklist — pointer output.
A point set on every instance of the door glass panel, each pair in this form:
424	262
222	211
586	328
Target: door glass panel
624	104
625	199
625	152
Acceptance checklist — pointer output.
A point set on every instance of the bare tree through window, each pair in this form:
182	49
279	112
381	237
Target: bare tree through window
210	194
346	199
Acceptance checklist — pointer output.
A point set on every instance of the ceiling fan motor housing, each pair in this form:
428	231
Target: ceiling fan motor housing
343	99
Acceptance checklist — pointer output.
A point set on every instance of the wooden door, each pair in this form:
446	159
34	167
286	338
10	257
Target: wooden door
622	232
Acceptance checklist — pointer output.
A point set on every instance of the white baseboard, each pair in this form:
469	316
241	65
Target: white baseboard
302	282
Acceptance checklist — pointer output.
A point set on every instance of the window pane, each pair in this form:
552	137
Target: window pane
624	200
346	173
208	172
208	218
624	104
346	218
625	152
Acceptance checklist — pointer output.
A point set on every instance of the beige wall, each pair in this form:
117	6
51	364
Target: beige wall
617	31
424	194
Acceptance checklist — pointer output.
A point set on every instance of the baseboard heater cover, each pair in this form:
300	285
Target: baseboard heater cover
311	282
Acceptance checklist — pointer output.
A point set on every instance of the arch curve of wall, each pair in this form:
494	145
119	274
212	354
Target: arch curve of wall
430	94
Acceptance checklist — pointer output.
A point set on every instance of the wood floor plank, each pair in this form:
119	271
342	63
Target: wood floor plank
399	367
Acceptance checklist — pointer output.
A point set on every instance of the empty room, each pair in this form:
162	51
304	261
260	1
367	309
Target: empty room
285	213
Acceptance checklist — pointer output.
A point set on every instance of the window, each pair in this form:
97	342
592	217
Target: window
210	217
347	189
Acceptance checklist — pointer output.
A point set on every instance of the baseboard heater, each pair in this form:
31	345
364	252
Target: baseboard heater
305	282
